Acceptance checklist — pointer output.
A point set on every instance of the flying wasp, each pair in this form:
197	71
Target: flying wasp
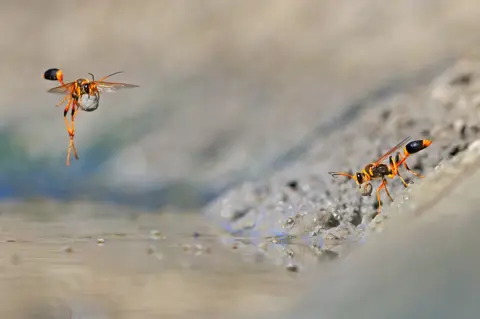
379	171
80	94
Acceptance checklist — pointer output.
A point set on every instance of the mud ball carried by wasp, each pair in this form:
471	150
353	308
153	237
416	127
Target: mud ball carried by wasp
366	189
89	102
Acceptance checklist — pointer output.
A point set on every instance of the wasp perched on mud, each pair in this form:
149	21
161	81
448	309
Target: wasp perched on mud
81	94
379	171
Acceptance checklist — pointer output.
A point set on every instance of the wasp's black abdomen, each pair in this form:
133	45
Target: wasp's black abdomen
51	74
416	146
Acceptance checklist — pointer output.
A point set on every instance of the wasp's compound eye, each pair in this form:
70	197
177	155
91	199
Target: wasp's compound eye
359	178
86	88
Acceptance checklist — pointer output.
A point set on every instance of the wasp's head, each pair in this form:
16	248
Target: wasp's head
360	178
86	88
93	87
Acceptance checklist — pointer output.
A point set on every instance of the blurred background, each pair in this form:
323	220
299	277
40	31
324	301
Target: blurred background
229	90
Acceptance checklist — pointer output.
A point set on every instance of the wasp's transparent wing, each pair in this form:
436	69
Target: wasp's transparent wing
63	89
393	149
113	86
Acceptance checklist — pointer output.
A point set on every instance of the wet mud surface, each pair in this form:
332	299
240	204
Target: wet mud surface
305	202
421	260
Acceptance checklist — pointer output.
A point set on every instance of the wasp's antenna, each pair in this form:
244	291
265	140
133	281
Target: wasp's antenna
93	78
110	75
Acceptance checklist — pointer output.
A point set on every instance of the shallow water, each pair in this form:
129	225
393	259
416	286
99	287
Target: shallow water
107	262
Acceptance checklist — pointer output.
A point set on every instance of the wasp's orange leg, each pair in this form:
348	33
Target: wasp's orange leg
63	101
71	147
394	168
75	109
414	173
405	184
70	130
382	185
404	163
65	112
386	190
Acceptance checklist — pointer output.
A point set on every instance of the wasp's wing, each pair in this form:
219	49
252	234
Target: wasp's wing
113	86
63	89
393	149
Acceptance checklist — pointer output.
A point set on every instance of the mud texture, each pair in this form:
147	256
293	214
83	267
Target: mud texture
420	262
304	201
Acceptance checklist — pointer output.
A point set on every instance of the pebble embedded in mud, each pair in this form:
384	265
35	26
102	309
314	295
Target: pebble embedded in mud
15	259
292	268
68	249
156	235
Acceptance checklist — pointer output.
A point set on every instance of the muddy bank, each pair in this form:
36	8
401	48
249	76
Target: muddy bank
421	260
304	201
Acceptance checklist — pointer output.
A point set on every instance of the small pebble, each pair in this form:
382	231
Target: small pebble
290	222
474	146
155	234
292	268
15	259
100	241
459	126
